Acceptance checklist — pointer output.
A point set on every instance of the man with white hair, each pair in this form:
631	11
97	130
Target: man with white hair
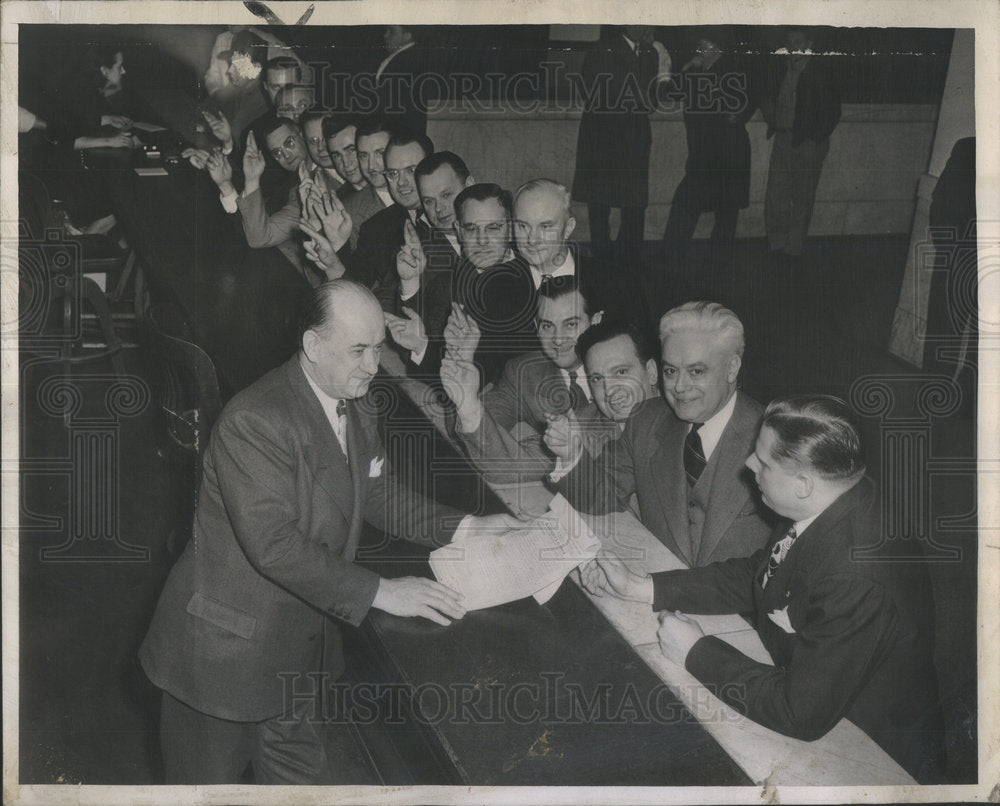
683	456
543	222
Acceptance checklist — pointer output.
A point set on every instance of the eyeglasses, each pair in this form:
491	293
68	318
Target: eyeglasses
392	174
291	142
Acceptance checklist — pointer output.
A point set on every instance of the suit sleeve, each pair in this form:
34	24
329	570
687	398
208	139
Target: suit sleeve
262	230
717	589
846	626
257	481
604	483
493	448
395	509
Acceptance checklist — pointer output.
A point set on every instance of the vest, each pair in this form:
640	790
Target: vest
697	503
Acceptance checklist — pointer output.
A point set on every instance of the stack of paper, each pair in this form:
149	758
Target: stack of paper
493	568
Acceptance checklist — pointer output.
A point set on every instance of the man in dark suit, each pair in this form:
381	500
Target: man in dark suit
340	133
801	110
683	457
850	636
417	301
370	140
373	261
503	427
543	223
295	465
612	151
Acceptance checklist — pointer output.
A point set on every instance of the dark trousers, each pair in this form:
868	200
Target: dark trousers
202	749
681	224
627	247
792	179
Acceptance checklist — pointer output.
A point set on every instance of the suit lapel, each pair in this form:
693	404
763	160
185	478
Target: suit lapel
668	460
357	449
727	495
322	449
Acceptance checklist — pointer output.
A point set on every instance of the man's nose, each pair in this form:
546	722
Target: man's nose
681	382
370	362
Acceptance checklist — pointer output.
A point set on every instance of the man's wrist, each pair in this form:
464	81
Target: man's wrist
470	416
251	186
227	188
408	288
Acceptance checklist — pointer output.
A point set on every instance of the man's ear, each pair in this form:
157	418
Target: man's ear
651	372
470	181
733	370
596	318
310	345
804	484
568	229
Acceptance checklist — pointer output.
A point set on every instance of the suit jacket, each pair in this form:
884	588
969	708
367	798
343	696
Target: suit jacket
432	302
648	460
617	290
400	93
508	445
373	262
857	639
613	143
277	524
817	99
361	206
501	300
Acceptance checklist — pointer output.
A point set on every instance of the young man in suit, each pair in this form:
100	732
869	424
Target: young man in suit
682	455
850	636
543	223
295	465
502	428
340	132
417	301
370	140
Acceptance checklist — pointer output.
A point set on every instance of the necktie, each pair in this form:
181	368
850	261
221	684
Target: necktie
576	396
342	425
778	554
694	456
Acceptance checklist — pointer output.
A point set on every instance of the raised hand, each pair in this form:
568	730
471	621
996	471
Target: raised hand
563	436
460	380
335	219
253	164
321	252
220	126
411	261
418	596
407	331
461	334
219	168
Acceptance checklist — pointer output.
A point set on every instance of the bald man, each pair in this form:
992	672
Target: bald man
251	611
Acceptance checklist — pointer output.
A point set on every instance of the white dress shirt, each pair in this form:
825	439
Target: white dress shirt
567	269
329	405
711	430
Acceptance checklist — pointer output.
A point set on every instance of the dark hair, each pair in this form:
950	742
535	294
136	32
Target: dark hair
316	112
608	329
819	432
268	123
555	287
319	306
439	159
335	124
404	137
484	191
373	125
96	57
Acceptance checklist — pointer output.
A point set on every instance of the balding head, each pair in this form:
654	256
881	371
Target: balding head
543	223
342	334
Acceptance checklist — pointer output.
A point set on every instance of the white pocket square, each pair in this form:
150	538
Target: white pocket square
375	468
780	617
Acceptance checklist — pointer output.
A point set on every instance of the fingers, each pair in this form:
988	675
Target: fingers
410	237
410	313
252	144
391	319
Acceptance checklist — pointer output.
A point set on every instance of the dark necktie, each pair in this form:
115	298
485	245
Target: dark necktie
342	425
694	456
778	554
576	396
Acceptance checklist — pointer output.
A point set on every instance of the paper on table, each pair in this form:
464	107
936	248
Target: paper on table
490	569
151	171
148	127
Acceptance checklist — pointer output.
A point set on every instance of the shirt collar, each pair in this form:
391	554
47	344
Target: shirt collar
328	403
800	526
567	269
711	430
581	380
384	195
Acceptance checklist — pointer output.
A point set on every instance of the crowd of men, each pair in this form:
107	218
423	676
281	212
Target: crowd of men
547	356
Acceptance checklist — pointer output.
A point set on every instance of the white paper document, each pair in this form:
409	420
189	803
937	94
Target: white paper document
492	568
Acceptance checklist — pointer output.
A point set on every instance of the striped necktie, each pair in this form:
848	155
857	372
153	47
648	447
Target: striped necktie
342	425
778	554
694	456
